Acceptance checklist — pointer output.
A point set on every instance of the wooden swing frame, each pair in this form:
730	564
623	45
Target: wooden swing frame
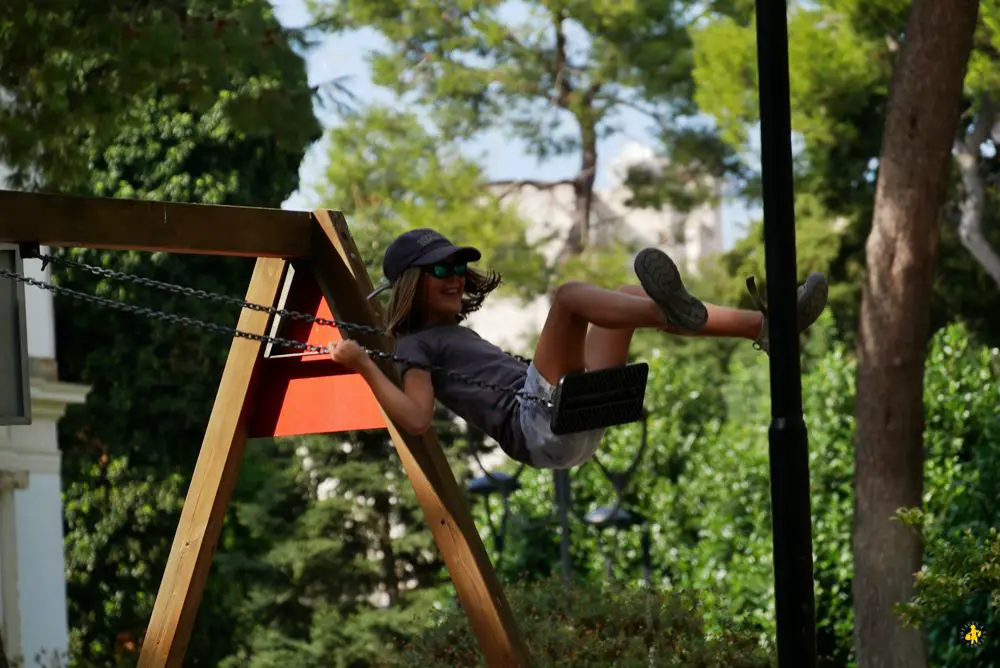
320	241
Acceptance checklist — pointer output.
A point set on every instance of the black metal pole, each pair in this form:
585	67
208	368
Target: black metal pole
647	562
563	499
789	447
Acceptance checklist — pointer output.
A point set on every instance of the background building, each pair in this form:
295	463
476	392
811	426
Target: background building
687	237
33	611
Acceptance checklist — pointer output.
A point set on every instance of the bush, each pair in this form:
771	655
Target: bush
960	581
959	587
704	485
596	627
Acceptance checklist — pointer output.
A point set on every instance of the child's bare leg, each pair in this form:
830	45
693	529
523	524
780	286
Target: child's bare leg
607	348
610	309
724	321
561	346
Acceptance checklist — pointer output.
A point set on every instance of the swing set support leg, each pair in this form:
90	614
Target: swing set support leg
212	484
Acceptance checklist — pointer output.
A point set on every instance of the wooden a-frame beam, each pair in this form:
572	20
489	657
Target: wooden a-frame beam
212	484
341	274
268	234
122	224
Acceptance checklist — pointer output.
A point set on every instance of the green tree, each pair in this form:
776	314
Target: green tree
708	433
73	71
358	572
842	58
958	583
555	79
129	452
388	173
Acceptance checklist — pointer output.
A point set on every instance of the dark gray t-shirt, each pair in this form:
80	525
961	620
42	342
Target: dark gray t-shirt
463	351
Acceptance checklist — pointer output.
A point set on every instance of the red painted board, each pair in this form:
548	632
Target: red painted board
311	395
308	393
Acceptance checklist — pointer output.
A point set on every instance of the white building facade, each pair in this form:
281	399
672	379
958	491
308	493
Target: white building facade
33	610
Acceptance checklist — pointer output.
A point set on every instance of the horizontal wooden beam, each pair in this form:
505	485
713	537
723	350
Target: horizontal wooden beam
122	224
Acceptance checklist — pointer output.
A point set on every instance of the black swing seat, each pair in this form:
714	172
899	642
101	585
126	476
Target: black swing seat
597	399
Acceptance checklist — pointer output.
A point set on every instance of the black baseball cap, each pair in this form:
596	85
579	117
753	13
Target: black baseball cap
421	247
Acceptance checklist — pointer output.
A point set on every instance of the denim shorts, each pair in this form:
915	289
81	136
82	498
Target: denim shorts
547	450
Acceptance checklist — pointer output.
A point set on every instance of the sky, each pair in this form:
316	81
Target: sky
343	56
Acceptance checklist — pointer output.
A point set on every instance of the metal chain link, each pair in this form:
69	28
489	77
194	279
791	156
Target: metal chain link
215	297
202	294
186	321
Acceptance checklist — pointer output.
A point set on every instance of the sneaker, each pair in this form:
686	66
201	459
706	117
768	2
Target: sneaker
661	280
812	296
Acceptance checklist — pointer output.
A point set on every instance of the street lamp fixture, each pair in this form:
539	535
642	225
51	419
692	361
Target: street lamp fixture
603	518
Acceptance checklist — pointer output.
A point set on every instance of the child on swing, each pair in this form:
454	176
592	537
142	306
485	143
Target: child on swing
587	328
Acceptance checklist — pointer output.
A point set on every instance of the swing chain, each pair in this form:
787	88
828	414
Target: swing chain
204	295
186	321
147	312
224	299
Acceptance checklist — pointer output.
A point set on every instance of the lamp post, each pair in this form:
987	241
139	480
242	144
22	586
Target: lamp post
619	518
603	518
789	443
503	484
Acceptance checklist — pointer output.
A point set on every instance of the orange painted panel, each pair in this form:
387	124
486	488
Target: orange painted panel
308	393
312	395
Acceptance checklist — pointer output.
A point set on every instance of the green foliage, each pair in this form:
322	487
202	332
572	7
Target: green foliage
476	66
75	71
324	558
708	431
828	404
595	626
841	55
388	173
129	451
554	76
356	569
832	75
963	581
958	584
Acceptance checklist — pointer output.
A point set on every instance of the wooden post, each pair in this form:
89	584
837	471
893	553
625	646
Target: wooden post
211	486
342	276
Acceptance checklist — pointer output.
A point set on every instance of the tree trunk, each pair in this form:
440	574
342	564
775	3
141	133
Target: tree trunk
389	572
4	662
973	205
581	104
902	251
583	192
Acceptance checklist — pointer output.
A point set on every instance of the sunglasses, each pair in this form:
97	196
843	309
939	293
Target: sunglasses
441	270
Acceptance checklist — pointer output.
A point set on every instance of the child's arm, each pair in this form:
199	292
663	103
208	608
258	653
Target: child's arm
413	406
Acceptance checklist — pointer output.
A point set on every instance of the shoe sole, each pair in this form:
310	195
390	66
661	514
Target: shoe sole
661	279
816	292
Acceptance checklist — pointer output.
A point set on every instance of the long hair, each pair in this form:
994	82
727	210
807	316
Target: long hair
405	311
